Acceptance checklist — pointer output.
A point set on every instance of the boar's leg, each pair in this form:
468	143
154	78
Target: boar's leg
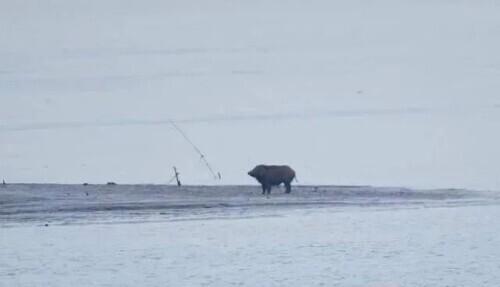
269	189
263	189
288	187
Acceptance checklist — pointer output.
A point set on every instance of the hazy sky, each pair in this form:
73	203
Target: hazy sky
400	93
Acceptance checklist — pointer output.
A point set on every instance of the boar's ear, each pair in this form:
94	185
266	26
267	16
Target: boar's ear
262	170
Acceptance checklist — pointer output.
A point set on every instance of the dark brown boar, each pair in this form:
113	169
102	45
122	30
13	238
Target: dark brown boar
273	175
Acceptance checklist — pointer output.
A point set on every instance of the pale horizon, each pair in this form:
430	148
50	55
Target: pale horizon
347	93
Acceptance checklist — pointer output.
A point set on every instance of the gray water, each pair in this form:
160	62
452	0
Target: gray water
148	235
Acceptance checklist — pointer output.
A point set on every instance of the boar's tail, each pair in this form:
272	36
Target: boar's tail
296	180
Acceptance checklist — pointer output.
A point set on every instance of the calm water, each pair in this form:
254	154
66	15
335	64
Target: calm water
387	237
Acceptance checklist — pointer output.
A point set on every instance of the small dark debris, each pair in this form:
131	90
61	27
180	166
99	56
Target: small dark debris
85	184
111	183
46	225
